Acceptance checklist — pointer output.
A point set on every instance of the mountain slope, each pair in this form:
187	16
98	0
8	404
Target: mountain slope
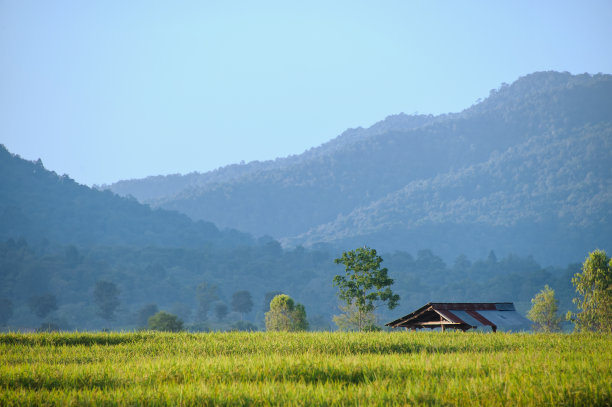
552	194
349	175
166	187
39	205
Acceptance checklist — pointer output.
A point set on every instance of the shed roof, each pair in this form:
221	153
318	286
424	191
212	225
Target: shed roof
463	316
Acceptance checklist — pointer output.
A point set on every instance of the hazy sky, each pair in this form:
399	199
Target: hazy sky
109	90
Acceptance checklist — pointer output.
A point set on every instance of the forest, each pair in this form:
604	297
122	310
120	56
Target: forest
149	279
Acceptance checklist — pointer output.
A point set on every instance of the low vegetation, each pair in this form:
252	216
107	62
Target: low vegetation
240	368
286	315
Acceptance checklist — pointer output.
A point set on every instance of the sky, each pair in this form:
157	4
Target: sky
111	90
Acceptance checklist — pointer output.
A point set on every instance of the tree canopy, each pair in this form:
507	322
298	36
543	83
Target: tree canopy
543	313
164	321
285	315
365	284
594	287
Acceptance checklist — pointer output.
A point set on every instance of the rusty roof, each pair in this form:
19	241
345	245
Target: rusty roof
463	315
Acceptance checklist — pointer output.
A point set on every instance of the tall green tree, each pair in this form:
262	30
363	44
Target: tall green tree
279	317
543	312
286	315
106	297
353	320
594	287
300	321
365	285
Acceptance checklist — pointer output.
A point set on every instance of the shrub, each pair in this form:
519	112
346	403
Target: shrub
164	321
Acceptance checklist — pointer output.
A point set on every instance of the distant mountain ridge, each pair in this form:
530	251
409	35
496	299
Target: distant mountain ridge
386	184
163	187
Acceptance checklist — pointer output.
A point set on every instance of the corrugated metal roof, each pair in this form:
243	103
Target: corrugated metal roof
480	318
500	315
468	319
505	319
469	306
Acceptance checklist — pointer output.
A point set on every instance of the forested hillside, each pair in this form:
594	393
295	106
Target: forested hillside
39	205
551	194
391	185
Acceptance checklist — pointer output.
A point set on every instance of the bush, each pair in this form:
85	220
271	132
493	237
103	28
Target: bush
286	315
164	321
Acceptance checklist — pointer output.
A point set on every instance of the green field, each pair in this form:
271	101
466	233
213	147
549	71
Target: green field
426	368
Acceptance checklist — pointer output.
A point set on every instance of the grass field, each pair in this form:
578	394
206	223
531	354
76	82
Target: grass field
426	368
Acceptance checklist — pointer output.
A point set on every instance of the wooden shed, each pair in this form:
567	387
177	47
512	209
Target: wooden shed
464	316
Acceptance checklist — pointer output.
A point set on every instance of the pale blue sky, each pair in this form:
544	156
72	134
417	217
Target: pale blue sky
109	90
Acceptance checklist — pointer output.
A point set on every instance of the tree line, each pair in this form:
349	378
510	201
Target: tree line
594	301
366	286
56	286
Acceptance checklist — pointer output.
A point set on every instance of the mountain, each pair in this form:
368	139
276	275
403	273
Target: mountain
556	184
514	173
39	205
163	187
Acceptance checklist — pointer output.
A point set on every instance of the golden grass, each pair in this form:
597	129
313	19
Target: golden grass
427	368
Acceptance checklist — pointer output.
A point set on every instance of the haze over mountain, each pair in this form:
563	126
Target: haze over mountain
39	205
527	170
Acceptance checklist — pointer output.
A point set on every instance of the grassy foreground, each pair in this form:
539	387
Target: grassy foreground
401	368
